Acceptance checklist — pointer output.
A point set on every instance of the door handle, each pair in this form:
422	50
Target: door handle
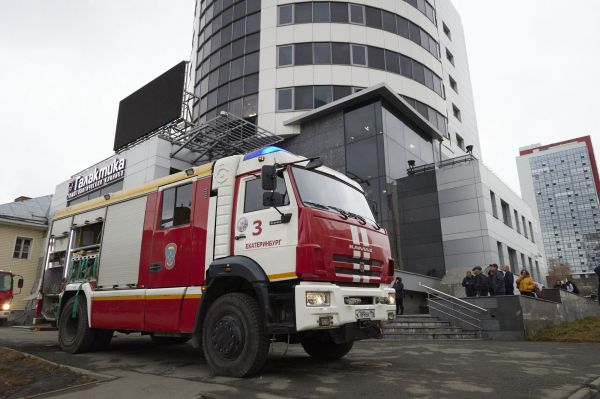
155	267
240	236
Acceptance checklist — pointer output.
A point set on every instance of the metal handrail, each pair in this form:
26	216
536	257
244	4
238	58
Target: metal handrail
453	297
452	304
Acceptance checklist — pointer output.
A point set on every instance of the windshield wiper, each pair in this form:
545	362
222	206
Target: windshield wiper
341	211
316	205
356	216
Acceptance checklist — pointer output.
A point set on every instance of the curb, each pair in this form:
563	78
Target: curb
98	376
590	391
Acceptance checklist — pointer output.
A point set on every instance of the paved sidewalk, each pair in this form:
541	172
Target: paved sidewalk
374	369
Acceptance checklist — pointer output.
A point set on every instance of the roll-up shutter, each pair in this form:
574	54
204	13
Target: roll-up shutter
122	243
61	226
89	217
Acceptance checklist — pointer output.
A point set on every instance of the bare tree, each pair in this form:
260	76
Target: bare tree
558	270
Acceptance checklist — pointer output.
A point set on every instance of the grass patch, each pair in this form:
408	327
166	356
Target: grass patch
22	375
584	330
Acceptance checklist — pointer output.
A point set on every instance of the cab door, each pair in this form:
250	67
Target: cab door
258	231
172	257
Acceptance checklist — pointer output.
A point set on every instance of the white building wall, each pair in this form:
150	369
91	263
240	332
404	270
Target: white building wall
470	231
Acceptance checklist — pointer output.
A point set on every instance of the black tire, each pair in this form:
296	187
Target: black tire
323	348
74	334
102	340
159	340
234	339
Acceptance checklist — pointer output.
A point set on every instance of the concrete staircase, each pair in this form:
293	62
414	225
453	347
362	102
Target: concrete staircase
415	327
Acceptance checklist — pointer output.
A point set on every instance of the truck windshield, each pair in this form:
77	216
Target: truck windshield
321	191
5	281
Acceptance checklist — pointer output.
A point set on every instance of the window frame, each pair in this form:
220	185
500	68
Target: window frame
362	7
364	47
256	178
291	6
291	90
291	46
175	186
20	257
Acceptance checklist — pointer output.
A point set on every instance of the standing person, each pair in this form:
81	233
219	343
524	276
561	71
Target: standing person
597	271
525	284
399	288
509	281
571	287
481	282
496	281
469	284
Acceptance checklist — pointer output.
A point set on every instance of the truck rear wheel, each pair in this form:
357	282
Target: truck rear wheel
74	333
322	347
234	340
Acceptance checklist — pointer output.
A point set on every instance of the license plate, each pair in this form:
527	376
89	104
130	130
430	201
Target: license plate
365	314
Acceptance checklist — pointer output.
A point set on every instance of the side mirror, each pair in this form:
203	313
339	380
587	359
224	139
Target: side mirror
272	198
268	176
20	283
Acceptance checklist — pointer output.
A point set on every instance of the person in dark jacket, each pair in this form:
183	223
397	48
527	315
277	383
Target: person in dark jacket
399	288
469	284
597	271
481	282
509	281
496	281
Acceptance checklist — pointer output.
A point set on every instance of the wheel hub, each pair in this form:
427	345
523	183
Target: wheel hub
228	337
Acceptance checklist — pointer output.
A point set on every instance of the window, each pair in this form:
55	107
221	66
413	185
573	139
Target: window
392	62
359	56
341	91
460	142
376	59
389	21
303	97
339	12
285	55
357	14
531	232
22	248
176	206
523	261
321	12
323	95
524	227
253	200
303	54
500	253
456	112
447	31
517	221
373	17
322	53
303	13
449	56
453	84
406	66
340	53
506	213
494	206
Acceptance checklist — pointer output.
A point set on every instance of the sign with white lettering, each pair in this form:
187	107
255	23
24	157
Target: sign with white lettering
97	178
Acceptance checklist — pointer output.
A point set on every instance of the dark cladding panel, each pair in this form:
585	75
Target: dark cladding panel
154	105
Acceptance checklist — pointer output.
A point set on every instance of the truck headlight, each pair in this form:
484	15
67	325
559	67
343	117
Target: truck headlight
392	298
6	306
317	298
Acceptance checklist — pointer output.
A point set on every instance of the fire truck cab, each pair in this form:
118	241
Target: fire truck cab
7	280
235	254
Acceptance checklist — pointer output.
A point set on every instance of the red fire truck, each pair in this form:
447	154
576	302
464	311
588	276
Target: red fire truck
7	280
235	254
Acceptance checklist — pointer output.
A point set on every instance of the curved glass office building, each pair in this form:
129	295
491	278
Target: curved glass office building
272	61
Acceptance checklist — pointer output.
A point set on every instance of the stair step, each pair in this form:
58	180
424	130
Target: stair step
423	330
414	324
415	319
440	336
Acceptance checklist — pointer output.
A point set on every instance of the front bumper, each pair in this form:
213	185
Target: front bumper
340	313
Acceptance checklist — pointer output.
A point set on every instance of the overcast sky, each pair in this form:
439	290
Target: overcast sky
65	65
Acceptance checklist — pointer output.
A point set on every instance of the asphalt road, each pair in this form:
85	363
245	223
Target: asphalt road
374	369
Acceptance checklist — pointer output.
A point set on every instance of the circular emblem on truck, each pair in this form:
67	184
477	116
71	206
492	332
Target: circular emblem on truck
242	224
170	252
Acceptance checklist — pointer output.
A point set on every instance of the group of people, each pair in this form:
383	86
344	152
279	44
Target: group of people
497	282
567	285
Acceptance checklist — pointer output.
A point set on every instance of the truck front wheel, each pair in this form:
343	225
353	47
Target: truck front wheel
74	333
234	340
322	347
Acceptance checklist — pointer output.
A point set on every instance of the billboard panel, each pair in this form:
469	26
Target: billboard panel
152	106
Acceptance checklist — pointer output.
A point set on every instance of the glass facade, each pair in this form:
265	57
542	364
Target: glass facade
228	58
358	14
336	53
567	202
